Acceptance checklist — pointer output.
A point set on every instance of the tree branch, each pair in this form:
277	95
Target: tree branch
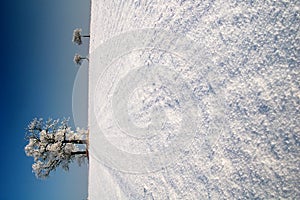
75	141
79	153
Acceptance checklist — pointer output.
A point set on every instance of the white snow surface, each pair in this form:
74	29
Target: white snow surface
194	99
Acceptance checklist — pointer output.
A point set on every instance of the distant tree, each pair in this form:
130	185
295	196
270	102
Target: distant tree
78	59
77	37
53	144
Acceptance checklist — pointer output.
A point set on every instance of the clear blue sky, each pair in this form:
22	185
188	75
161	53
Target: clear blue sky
37	74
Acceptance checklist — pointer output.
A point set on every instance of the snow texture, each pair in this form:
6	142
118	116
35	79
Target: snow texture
194	99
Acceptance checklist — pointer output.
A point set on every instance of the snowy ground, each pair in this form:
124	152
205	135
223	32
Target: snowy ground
194	99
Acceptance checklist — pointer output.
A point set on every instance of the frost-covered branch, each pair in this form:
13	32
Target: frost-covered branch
53	144
77	37
78	59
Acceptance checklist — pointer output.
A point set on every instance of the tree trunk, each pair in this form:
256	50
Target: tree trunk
75	141
79	153
84	58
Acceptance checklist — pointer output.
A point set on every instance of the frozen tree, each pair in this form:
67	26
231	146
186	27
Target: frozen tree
78	59
53	144
77	37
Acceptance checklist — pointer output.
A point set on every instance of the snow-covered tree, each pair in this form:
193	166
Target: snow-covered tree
78	59
53	144
77	37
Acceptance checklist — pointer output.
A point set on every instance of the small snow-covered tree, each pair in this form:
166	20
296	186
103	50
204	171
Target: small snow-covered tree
53	144
77	37
78	59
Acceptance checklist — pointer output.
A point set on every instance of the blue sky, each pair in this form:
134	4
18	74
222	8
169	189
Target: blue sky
37	75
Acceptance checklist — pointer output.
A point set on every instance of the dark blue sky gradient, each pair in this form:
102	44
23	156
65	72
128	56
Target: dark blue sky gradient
37	75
